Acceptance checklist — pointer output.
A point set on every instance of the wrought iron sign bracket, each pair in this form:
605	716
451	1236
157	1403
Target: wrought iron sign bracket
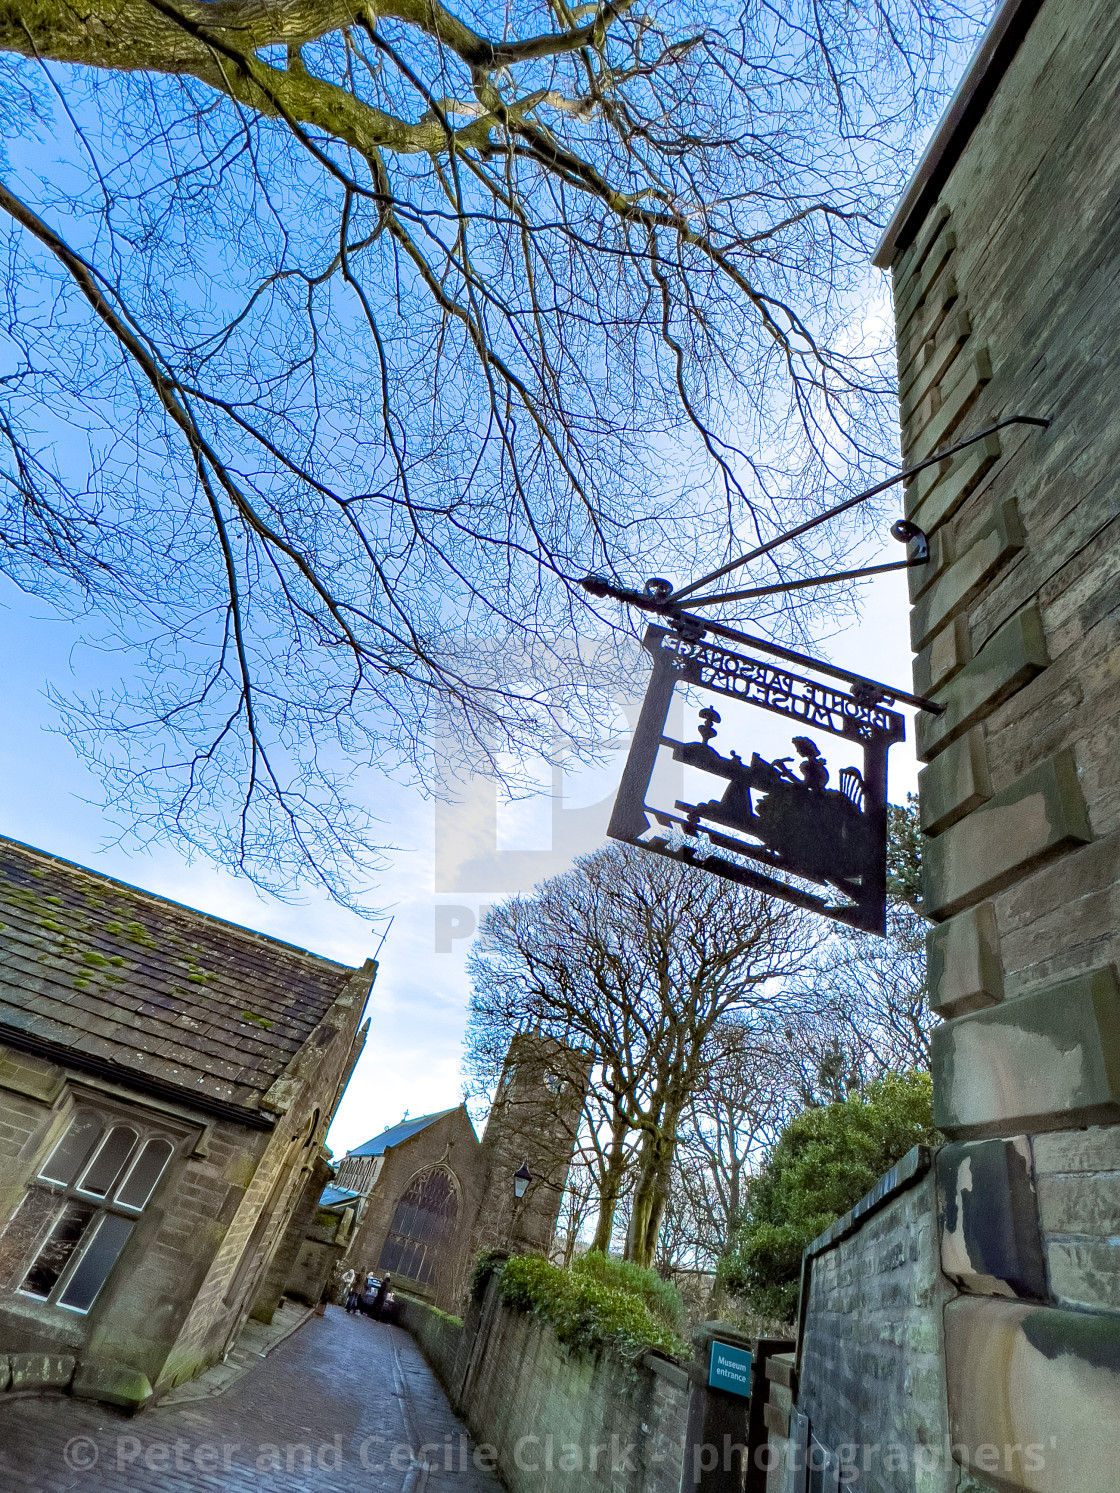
661	599
778	828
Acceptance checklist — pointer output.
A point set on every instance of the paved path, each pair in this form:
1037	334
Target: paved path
346	1405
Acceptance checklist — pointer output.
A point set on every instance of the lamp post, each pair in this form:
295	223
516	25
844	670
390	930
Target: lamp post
521	1179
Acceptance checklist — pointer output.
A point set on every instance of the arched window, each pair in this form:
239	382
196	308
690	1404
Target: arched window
424	1219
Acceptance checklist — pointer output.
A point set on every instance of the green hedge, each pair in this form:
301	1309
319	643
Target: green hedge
599	1302
824	1161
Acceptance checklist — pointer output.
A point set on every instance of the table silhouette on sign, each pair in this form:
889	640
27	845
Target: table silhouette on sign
779	815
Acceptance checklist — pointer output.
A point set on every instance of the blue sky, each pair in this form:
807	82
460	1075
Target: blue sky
50	800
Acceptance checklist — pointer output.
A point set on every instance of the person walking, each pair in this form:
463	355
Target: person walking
381	1297
349	1282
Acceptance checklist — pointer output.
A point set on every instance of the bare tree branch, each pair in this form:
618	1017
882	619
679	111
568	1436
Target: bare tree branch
341	340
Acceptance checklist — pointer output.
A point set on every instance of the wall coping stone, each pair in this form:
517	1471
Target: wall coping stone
903	1174
666	1369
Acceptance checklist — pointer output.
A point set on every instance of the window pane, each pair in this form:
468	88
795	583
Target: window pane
72	1150
109	1162
94	1266
55	1255
146	1170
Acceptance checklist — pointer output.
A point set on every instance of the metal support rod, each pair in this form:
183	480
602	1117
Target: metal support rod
819	580
901	476
688	625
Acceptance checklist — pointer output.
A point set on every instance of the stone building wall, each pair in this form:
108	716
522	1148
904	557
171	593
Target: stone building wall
871	1352
163	1313
191	1068
449	1142
958	1327
143	1305
1007	301
273	1186
281	1274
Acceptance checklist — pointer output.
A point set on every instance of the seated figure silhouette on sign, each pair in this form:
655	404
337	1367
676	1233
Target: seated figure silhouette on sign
809	829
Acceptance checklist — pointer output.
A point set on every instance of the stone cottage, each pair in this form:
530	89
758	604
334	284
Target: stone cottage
434	1195
166	1081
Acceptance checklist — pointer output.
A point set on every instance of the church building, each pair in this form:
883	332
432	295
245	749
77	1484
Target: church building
434	1195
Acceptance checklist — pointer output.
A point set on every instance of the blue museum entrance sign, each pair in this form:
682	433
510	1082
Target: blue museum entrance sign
729	1369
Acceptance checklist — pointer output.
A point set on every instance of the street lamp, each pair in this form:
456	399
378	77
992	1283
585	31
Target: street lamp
521	1179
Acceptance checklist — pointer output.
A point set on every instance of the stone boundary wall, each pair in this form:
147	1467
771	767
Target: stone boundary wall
438	1336
871	1351
557	1419
975	1257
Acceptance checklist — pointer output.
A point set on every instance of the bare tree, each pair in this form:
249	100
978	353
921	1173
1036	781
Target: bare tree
342	339
576	1210
859	1010
729	1124
647	964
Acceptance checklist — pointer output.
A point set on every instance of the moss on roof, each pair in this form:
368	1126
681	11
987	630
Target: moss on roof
207	1005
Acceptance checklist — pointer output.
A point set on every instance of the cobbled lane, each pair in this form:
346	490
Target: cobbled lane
345	1405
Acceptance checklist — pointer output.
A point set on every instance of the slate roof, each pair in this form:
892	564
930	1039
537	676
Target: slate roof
398	1133
331	1196
124	978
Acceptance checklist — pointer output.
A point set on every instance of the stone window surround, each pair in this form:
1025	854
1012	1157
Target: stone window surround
150	1123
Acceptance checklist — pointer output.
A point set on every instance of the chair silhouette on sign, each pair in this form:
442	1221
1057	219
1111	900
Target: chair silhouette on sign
851	786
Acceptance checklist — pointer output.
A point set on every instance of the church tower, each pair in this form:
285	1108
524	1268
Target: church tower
533	1126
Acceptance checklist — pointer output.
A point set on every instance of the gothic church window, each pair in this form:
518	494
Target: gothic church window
423	1221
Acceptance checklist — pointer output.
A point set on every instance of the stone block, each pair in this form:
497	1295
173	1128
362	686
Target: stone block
112	1384
956	782
936	493
963	967
5	1372
990	1238
1044	1061
907	261
933	362
1085	1273
1080	1203
922	577
944	655
955	405
239	1172
926	323
1096	1149
30	1076
1030	821
1033	1394
41	1370
775	1419
961	582
780	1369
1012	656
918	289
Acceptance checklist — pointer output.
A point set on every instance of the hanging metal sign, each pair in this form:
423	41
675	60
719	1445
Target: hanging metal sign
773	826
